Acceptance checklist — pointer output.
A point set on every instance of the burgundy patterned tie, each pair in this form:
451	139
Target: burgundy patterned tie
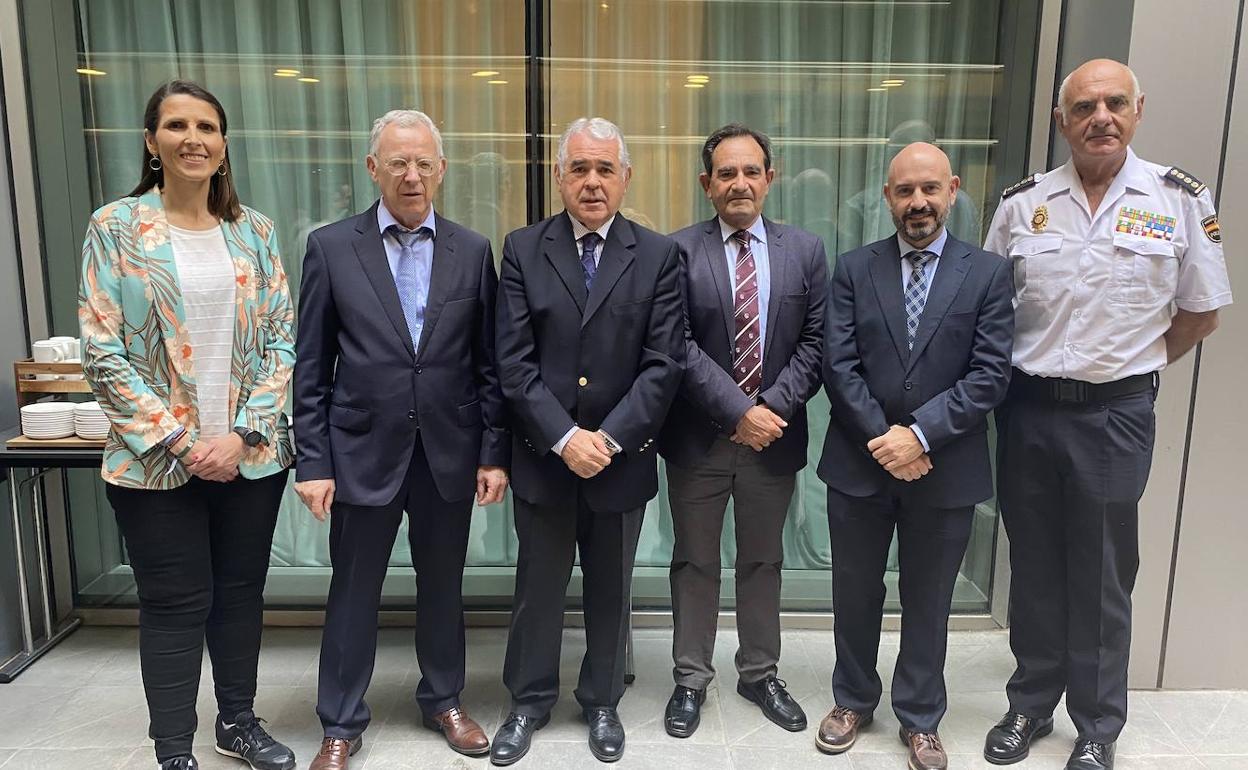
747	357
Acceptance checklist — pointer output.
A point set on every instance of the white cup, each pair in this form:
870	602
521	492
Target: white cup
46	352
69	347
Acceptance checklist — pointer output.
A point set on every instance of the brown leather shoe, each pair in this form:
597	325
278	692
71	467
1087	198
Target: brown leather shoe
461	731
336	753
926	752
839	729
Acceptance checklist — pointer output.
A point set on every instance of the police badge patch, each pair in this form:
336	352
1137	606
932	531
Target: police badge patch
1040	219
1213	231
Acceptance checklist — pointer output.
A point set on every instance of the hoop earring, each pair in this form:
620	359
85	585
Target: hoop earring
154	163
222	170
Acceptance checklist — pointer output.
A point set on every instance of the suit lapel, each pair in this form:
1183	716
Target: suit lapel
950	273
617	255
372	255
713	246
561	253
441	276
164	285
777	261
886	277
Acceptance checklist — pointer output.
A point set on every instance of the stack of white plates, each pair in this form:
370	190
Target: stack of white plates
90	421
49	419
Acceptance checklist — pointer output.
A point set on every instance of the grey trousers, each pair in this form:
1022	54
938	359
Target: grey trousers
699	498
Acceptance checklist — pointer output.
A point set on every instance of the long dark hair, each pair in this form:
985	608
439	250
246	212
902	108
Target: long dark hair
222	197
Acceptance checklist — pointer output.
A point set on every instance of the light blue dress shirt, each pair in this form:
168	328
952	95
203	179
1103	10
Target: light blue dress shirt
424	256
937	247
762	269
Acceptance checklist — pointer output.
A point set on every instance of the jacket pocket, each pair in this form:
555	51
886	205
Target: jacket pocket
350	418
470	414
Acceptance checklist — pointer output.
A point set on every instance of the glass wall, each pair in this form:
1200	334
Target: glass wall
840	86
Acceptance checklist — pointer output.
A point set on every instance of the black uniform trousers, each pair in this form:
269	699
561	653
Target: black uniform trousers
1070	478
931	543
360	541
549	539
200	555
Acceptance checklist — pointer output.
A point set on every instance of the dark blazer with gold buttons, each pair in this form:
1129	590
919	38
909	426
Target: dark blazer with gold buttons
609	358
709	402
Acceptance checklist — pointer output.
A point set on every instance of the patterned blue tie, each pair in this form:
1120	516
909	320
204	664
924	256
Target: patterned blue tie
916	292
589	244
408	279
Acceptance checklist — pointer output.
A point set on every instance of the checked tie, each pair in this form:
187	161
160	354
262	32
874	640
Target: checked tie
589	244
747	358
916	292
411	279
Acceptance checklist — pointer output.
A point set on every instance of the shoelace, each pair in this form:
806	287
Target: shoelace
330	745
847	714
1091	749
776	683
255	733
1018	722
923	741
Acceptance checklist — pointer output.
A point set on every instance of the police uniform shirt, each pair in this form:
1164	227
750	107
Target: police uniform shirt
1095	290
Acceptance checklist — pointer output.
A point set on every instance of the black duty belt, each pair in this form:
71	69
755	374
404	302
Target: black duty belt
1063	391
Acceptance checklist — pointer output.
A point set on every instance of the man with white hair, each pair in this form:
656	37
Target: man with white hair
591	349
1118	272
397	407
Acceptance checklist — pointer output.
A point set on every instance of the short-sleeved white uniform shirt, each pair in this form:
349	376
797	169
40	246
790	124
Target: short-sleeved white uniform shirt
1095	290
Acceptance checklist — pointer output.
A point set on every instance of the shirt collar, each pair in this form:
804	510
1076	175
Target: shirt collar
385	219
758	230
579	230
1133	174
937	246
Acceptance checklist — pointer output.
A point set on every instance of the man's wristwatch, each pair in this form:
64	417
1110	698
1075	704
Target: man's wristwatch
252	438
612	447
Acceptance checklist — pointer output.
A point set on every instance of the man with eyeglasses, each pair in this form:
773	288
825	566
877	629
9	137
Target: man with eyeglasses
397	407
1119	271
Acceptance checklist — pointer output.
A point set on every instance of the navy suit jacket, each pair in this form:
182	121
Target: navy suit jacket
609	358
956	374
709	403
364	395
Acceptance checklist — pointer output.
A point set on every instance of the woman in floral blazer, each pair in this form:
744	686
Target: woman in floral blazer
187	332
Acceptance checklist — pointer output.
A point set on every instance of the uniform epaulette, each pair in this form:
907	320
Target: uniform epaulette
1185	180
1029	181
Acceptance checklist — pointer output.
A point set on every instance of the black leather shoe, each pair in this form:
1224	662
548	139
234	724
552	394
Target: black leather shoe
187	762
512	740
1090	755
775	701
1010	739
684	711
606	734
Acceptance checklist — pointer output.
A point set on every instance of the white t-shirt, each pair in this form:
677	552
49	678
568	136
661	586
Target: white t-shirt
206	277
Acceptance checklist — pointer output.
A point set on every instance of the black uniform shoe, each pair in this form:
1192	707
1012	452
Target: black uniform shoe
1010	739
511	742
1090	755
684	711
180	763
775	701
246	739
606	734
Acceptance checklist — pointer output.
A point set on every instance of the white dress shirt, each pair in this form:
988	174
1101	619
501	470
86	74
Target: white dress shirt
1094	290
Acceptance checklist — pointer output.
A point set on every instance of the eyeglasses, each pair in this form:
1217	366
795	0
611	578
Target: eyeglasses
400	166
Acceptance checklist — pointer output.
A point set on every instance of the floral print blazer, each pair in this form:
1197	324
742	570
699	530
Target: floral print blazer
136	350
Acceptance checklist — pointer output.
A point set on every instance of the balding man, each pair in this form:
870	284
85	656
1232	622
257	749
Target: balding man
1119	271
591	347
916	354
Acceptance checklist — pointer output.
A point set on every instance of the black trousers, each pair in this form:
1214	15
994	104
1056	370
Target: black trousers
699	498
360	541
549	537
1070	477
200	555
931	543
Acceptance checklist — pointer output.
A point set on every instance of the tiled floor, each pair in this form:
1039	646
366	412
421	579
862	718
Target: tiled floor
82	707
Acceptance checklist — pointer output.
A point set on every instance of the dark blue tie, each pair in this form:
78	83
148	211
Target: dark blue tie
589	244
